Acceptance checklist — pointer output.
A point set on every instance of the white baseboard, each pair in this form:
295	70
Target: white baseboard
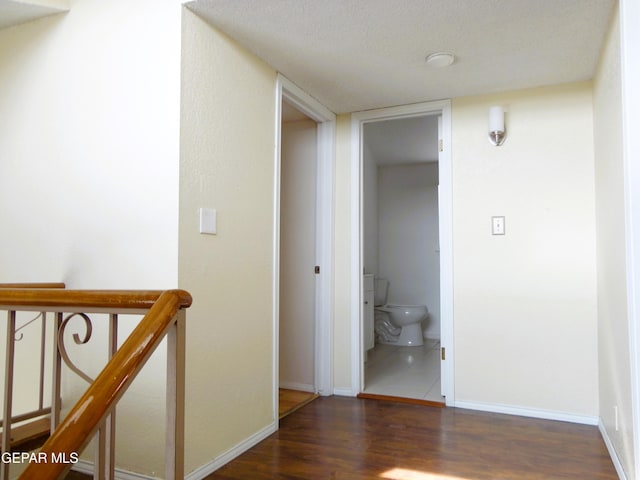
86	467
301	387
210	467
529	412
344	392
612	452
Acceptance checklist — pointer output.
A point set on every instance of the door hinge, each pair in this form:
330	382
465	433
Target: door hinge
442	354
317	269
441	145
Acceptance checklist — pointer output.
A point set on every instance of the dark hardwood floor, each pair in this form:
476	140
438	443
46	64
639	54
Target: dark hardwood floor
291	400
348	438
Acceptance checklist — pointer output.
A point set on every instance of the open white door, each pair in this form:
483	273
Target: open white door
445	212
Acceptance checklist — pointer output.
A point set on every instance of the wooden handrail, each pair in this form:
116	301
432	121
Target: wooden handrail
81	299
84	419
33	285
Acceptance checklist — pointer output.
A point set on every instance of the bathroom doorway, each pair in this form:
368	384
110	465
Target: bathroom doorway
400	245
405	243
303	248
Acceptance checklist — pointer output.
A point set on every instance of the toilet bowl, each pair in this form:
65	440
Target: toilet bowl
403	325
397	324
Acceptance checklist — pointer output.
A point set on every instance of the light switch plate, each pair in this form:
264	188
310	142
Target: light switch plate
208	221
497	225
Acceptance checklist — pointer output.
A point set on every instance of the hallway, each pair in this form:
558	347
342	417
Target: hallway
347	438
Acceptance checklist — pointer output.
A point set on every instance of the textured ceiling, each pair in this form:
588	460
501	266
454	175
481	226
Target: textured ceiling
17	12
360	54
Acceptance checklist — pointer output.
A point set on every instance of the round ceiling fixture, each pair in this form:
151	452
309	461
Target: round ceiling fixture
440	59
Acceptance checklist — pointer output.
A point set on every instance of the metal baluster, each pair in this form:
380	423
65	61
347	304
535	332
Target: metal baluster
43	346
99	454
8	391
104	466
56	376
110	422
174	454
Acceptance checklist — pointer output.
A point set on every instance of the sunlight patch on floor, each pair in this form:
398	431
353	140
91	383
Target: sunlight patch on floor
407	474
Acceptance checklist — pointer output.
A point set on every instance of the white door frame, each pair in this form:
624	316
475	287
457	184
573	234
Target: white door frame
287	90
358	120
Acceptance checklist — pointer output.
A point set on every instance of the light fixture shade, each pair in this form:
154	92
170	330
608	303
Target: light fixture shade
440	59
496	119
496	126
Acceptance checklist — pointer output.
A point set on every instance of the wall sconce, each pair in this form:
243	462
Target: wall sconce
497	132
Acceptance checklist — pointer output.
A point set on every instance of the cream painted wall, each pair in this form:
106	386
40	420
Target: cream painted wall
227	163
61	4
89	142
525	303
298	175
342	259
79	149
614	360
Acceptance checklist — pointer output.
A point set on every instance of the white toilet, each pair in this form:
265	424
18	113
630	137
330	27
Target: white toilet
397	324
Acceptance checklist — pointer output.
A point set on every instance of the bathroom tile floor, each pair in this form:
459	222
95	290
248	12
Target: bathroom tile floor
410	372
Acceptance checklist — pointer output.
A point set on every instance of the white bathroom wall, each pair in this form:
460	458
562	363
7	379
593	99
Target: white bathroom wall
369	210
297	254
408	237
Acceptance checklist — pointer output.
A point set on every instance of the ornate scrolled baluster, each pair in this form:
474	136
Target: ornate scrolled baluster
17	337
78	340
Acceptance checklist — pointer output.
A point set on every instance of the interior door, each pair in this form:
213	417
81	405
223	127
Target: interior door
298	254
443	372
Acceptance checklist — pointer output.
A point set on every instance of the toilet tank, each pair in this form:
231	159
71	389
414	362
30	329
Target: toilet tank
381	286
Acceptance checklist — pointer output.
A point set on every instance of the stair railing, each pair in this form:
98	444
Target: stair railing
94	413
44	408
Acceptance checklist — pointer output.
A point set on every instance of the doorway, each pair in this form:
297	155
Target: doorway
302	247
439	113
298	233
400	242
